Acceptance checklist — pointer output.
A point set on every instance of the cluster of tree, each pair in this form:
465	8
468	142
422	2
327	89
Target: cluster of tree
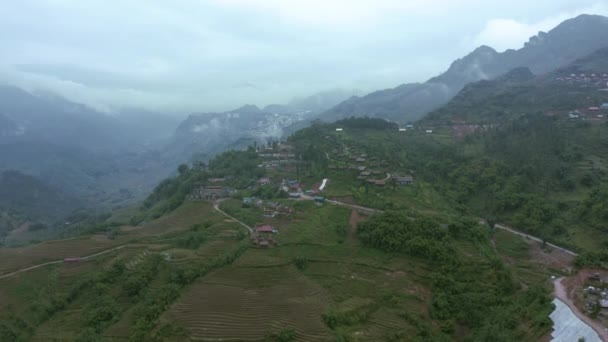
477	293
396	232
594	209
140	277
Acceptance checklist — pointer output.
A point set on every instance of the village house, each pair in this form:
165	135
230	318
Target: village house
365	174
263	181
209	193
248	200
574	115
361	168
380	182
404	180
360	160
604	106
263	236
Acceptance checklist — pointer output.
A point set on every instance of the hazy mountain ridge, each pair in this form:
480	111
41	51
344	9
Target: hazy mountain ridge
206	134
519	91
570	40
73	147
33	199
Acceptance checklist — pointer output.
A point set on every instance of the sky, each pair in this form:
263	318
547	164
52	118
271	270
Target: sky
213	55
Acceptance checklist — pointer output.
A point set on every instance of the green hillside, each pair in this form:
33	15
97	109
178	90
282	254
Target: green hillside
519	92
422	271
369	232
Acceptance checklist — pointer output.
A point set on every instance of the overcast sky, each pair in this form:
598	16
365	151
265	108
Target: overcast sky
188	55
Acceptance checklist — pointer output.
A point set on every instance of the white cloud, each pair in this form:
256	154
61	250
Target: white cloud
192	55
344	14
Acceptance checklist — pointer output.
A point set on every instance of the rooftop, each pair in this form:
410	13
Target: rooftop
264	229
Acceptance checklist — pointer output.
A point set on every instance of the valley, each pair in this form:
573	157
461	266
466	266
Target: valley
470	207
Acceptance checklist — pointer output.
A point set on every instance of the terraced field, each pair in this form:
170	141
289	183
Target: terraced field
247	304
12	259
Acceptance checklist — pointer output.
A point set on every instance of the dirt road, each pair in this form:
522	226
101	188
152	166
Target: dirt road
58	261
216	206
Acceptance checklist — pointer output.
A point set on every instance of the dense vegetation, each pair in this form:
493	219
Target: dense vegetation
477	292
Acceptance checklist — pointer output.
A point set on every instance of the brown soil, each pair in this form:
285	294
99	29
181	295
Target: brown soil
550	257
355	218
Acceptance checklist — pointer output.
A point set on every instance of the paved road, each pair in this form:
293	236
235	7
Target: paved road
58	261
216	206
509	229
357	207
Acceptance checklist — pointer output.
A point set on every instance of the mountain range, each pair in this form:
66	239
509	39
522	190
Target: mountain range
569	41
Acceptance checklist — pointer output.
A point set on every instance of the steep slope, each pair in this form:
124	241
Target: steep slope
78	149
24	198
48	118
570	40
31	197
518	91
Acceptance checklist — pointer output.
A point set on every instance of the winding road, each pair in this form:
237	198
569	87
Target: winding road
59	261
216	206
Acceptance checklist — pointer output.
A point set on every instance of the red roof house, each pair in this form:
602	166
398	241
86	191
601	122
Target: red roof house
264	229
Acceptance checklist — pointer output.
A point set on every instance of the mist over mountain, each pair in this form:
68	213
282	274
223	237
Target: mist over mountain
206	134
565	43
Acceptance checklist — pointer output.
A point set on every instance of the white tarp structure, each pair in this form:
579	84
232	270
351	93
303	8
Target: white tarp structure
323	184
569	328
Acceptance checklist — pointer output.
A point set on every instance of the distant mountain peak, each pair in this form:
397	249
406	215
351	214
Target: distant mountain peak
544	52
248	108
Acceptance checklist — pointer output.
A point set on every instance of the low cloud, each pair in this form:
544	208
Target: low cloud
217	55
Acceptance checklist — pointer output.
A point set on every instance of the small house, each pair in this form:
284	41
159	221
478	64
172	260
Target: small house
594	109
248	200
380	182
575	115
404	180
365	174
295	195
428	131
402	129
266	229
604	106
409	126
264	181
319	199
361	168
339	129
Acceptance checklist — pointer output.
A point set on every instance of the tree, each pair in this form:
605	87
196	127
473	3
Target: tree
183	169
